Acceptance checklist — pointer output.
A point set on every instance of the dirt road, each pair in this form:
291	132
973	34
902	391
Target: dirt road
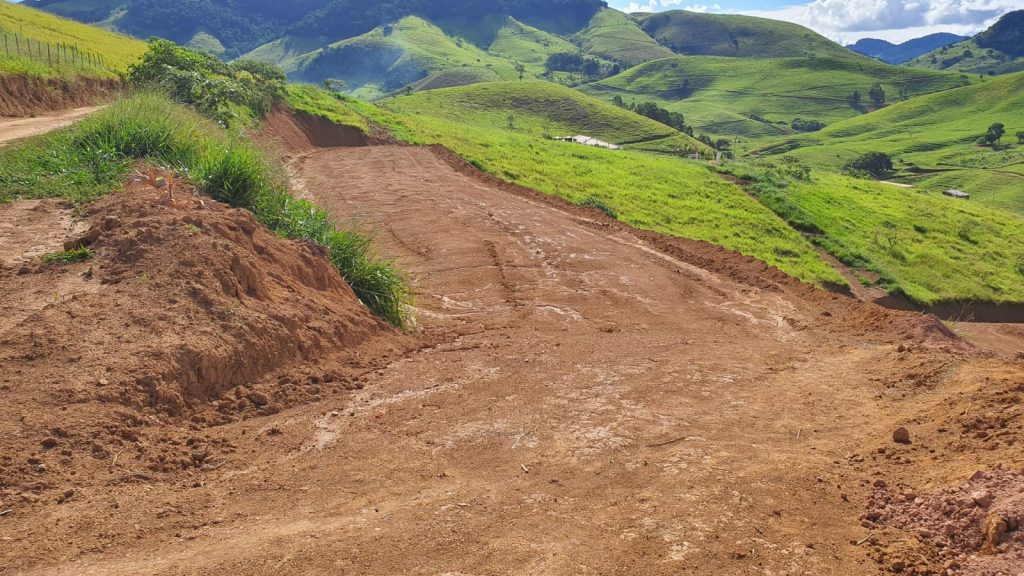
582	402
17	128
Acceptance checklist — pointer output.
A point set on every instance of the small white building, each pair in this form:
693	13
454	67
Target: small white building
954	193
588	141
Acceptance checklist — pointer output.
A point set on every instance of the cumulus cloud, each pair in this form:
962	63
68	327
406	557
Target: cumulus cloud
659	5
871	15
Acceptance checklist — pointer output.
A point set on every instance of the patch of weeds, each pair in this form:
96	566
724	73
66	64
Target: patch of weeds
142	278
595	203
192	229
80	254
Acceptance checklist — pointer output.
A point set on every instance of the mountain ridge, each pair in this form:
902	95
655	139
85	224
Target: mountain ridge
904	51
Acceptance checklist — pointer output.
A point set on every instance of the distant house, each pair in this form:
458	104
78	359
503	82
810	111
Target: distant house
954	193
587	141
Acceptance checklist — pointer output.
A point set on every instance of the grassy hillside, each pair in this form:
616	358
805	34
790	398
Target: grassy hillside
969	58
735	36
757	99
412	50
934	141
651	191
617	37
118	51
929	248
998	50
537	108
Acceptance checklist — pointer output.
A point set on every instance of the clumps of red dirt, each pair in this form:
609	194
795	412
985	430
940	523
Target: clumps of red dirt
22	95
297	132
973	529
189	315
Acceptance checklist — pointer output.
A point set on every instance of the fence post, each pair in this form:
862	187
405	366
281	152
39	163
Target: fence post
17	44
7	51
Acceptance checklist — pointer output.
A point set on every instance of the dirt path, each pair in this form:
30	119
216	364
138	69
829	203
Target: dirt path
583	404
17	128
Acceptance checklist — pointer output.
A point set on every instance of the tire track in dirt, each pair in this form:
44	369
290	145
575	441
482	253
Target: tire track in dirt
584	403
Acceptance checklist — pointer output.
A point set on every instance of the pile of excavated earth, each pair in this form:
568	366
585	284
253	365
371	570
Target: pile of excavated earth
578	397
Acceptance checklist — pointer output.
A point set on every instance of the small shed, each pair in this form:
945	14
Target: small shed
954	193
587	141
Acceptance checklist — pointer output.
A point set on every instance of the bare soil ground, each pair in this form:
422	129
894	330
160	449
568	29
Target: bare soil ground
580	398
17	128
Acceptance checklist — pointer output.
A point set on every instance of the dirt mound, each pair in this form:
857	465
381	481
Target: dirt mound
976	528
22	95
190	314
297	132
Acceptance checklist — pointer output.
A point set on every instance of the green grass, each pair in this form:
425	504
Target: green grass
615	36
312	100
933	140
969	58
757	99
91	158
539	108
737	36
118	50
414	52
80	254
650	191
927	247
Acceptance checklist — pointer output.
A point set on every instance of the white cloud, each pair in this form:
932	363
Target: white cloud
846	21
871	15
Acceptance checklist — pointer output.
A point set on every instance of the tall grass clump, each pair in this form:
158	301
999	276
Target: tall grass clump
92	158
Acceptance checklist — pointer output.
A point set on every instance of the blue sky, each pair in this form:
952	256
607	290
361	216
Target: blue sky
849	20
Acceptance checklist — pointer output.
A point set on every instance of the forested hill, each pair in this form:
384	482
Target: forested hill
241	25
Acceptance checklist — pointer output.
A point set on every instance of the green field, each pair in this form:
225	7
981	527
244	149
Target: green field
934	141
929	248
757	99
538	108
118	51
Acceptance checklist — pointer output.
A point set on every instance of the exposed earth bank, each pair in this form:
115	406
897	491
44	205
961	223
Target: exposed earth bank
205	398
22	95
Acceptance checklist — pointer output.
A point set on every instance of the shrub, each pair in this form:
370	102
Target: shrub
598	204
801	125
224	92
875	164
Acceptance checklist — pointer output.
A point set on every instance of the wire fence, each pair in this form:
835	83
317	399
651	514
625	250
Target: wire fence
60	54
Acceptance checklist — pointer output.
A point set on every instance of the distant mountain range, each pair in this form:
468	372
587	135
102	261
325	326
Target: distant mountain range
998	50
900	53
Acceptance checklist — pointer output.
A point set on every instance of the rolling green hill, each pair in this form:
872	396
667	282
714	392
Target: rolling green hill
998	50
540	108
697	34
617	37
934	141
411	50
757	99
118	51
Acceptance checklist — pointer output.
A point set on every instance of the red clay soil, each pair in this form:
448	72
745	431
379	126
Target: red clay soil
22	95
190	316
580	398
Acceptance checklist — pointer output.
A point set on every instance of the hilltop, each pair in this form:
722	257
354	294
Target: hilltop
900	53
757	99
698	34
998	50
